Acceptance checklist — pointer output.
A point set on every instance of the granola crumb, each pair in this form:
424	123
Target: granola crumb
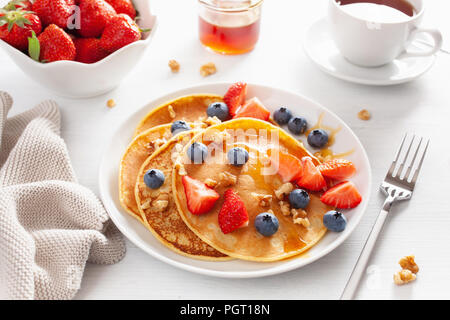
211	183
409	264
174	66
404	276
172	113
283	190
208	69
364	115
111	103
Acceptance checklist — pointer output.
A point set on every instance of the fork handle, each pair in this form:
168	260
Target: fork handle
361	264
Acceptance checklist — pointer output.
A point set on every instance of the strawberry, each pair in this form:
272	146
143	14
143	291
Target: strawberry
17	26
54	11
253	108
123	6
289	167
119	32
13	5
200	198
337	169
233	214
89	50
94	15
311	178
56	44
235	97
342	196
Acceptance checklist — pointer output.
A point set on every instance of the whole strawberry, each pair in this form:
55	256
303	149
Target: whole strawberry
123	6
94	15
25	5
55	45
54	11
16	26
89	50
119	32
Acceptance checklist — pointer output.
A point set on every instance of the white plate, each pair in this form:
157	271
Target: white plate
272	98
320	48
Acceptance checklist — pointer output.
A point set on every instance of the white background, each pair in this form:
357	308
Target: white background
420	226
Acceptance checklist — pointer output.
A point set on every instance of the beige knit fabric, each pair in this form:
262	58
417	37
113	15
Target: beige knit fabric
50	226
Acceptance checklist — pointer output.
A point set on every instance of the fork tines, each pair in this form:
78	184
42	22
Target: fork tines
409	163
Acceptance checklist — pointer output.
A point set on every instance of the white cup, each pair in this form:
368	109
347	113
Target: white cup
371	43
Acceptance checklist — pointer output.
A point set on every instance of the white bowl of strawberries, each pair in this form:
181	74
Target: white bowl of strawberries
77	48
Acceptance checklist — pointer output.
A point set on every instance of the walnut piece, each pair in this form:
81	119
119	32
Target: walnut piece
111	103
211	121
172	113
302	221
283	190
211	183
180	168
226	179
208	69
285	208
174	66
264	200
158	143
409	263
364	115
403	277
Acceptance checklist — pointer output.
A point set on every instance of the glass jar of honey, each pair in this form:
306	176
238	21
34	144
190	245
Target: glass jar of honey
229	26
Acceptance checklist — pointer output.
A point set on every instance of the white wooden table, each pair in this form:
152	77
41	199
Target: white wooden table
420	226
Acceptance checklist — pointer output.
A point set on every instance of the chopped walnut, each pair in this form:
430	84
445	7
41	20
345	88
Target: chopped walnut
364	115
172	113
159	205
158	143
211	121
264	200
111	103
409	263
284	190
174	66
208	69
211	183
298	213
285	208
403	277
302	221
146	204
226	179
180	168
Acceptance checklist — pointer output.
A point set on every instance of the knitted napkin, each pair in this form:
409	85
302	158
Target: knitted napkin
50	226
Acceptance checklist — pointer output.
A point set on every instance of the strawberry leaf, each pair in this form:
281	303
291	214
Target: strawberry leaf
34	47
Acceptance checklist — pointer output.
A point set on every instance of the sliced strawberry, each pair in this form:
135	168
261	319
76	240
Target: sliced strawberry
311	178
233	214
342	196
200	198
337	169
288	167
235	97
253	108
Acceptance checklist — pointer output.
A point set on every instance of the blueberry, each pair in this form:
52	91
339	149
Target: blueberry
154	178
334	221
282	115
179	126
299	199
237	156
219	110
297	125
318	138
197	152
266	224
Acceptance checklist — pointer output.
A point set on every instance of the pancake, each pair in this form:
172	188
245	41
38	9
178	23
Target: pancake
158	209
246	243
190	108
136	153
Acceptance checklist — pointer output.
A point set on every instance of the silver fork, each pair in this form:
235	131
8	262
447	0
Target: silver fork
397	187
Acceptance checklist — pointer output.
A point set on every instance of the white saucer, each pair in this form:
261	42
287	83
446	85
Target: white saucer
320	48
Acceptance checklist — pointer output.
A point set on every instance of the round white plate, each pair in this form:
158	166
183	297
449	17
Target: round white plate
320	48
273	98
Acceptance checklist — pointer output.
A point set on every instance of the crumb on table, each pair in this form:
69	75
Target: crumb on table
174	66
364	115
208	69
111	103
